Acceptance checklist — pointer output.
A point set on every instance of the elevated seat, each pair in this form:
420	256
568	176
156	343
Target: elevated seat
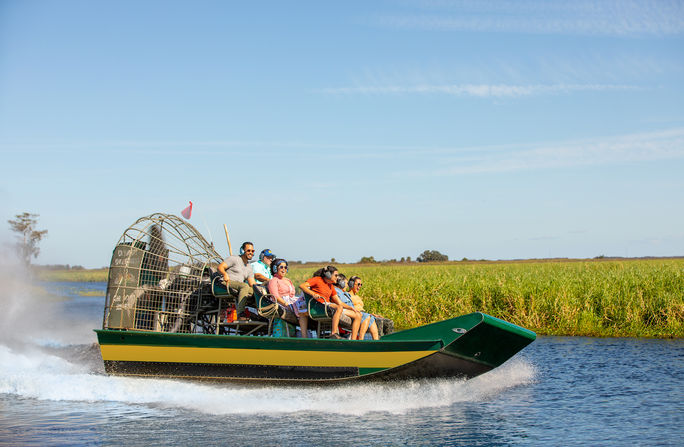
226	299
218	288
385	326
323	313
269	308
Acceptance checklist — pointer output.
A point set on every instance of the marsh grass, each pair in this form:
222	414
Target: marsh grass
596	298
637	298
91	293
94	275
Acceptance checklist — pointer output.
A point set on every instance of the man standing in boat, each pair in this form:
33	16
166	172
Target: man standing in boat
239	277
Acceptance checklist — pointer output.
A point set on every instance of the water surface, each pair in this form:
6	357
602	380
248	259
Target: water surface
558	391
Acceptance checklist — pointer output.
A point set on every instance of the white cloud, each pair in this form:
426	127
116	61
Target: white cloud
608	17
452	160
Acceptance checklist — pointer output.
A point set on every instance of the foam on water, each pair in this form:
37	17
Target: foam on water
37	374
41	364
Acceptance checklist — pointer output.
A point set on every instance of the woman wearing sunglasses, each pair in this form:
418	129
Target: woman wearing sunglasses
369	322
283	291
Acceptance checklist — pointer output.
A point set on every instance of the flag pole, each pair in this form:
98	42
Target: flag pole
211	238
230	249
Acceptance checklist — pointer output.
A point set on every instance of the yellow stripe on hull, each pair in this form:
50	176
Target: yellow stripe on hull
169	354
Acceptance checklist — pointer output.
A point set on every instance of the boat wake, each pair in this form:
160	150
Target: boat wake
39	360
74	373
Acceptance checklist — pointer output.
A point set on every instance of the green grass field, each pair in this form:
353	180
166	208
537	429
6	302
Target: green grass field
96	275
643	298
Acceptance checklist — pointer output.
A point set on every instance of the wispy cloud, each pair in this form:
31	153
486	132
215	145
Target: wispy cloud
607	17
478	90
640	147
450	160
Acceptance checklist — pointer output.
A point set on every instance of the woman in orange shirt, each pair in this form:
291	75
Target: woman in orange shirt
322	288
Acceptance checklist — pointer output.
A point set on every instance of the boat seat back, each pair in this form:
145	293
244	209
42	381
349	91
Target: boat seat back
323	312
269	308
218	288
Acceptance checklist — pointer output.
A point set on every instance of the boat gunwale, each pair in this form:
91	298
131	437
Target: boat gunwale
508	326
144	338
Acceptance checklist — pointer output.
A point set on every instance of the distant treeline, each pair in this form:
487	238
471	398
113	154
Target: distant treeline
59	267
436	257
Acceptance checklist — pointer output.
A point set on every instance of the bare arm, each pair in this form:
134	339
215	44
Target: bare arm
222	270
260	277
307	289
336	299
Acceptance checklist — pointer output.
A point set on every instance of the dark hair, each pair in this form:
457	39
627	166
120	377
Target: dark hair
340	279
243	246
276	263
322	272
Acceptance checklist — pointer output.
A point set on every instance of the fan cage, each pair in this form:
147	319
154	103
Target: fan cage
160	277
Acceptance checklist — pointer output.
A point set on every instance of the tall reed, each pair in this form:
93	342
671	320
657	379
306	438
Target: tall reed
86	275
597	298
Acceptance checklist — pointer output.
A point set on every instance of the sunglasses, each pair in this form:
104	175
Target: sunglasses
249	251
282	267
358	284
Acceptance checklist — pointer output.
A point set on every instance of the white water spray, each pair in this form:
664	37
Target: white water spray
42	376
31	315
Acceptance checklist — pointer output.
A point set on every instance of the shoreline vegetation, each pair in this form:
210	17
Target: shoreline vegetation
597	297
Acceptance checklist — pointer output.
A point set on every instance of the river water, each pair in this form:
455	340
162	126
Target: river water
558	391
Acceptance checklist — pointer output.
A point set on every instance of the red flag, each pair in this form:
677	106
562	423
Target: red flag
187	211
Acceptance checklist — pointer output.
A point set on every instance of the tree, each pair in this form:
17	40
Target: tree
367	260
28	237
431	256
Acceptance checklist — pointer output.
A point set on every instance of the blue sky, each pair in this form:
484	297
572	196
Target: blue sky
482	129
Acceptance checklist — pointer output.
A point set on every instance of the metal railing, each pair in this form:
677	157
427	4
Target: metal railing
160	277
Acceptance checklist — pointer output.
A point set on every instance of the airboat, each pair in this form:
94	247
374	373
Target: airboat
167	315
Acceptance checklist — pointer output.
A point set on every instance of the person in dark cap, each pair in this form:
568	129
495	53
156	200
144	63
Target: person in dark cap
262	268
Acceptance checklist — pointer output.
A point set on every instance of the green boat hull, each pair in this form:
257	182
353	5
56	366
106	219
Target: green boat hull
465	346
